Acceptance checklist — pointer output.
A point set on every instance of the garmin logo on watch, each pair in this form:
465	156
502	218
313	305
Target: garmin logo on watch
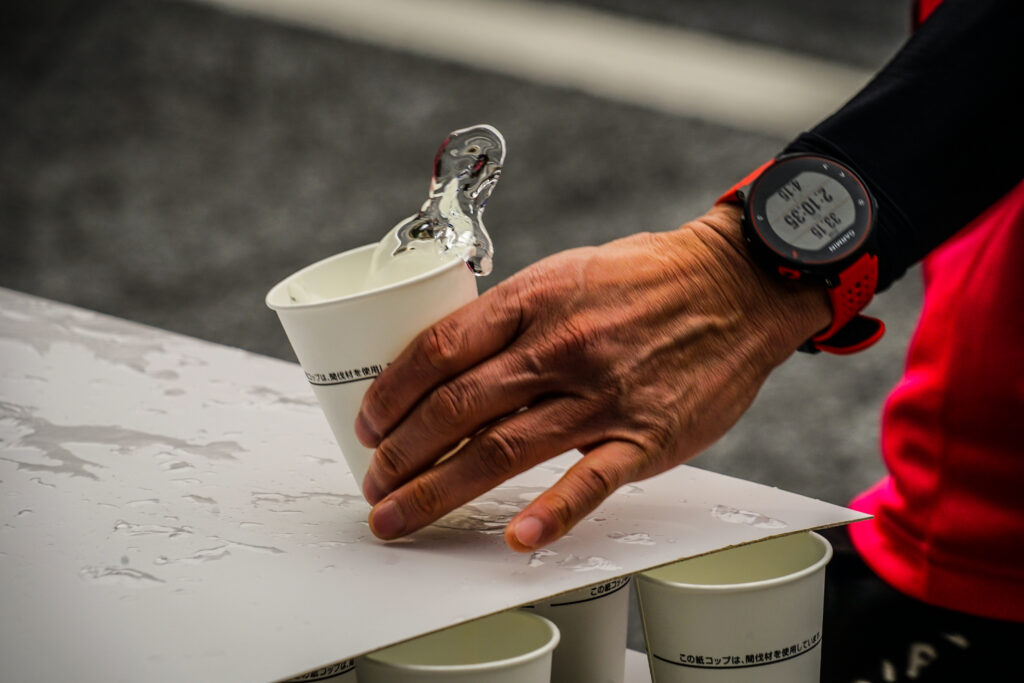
840	241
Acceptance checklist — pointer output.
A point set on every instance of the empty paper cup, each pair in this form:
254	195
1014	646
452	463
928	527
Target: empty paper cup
510	647
344	335
751	613
593	623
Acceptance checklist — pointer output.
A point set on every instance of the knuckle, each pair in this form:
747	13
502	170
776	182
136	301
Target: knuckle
501	453
443	343
596	484
389	461
562	508
426	500
448	404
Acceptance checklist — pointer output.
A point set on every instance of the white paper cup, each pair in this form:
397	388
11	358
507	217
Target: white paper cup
593	623
344	336
751	613
510	647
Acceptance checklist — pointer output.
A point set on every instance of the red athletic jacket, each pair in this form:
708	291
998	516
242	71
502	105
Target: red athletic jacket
940	141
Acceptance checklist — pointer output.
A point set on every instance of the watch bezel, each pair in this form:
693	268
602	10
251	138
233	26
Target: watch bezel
838	252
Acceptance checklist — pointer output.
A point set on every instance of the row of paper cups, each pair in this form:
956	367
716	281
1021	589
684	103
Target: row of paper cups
750	613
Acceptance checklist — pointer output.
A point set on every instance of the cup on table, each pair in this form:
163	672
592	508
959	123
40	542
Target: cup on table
344	335
750	613
593	623
509	647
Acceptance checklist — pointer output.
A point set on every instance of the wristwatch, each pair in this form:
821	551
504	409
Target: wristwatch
811	218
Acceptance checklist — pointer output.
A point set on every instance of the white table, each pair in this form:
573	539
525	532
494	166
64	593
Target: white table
177	510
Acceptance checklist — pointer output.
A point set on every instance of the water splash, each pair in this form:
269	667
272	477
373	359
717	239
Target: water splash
466	169
276	501
117	575
537	558
637	538
733	515
492	514
151	529
586	564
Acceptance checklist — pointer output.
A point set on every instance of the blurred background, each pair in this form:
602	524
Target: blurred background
168	161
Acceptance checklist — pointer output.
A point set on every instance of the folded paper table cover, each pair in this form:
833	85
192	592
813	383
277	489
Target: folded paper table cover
177	510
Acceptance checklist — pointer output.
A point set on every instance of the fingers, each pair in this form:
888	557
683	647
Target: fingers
489	458
468	336
580	490
452	411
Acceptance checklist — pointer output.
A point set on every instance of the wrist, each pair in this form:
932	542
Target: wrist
787	312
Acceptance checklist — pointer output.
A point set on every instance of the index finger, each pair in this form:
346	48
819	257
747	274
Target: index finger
450	346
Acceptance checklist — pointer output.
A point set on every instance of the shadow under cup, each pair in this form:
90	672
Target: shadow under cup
750	613
344	335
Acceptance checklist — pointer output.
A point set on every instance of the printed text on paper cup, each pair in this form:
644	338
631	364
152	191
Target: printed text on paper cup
712	660
367	372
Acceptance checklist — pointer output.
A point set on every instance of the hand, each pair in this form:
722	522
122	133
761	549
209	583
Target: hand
641	353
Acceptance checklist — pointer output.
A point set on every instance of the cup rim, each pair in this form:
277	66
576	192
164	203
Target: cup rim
825	558
548	646
434	272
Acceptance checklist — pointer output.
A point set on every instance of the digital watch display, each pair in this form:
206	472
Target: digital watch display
809	217
812	212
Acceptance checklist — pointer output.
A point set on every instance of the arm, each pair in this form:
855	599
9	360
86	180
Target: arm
938	133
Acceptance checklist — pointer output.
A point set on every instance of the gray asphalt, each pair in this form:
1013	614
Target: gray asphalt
167	162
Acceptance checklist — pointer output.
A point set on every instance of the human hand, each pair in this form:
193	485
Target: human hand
640	353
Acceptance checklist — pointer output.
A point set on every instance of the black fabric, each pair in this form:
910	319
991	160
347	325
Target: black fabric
872	632
937	134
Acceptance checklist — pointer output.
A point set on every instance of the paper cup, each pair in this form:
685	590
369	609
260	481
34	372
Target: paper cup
344	335
510	647
593	623
751	613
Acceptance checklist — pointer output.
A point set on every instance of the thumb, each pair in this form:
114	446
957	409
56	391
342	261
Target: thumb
580	490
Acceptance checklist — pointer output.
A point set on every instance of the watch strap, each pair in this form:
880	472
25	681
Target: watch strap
732	195
850	332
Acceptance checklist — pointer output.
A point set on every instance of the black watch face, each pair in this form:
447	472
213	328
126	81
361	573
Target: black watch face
810	210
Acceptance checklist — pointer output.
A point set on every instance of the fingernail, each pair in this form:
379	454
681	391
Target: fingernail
371	491
528	531
387	520
366	434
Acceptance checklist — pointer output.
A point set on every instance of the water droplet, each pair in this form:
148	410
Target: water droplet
117	576
537	558
151	529
733	515
586	564
637	538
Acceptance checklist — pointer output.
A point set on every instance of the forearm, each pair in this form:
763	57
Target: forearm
937	133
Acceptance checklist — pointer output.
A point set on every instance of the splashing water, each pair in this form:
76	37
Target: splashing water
466	169
733	515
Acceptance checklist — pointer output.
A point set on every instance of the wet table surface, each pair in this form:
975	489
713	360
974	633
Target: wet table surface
172	509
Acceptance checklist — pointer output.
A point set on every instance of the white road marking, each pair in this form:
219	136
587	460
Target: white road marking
669	69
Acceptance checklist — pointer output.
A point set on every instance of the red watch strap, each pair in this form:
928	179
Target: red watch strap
851	332
732	195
